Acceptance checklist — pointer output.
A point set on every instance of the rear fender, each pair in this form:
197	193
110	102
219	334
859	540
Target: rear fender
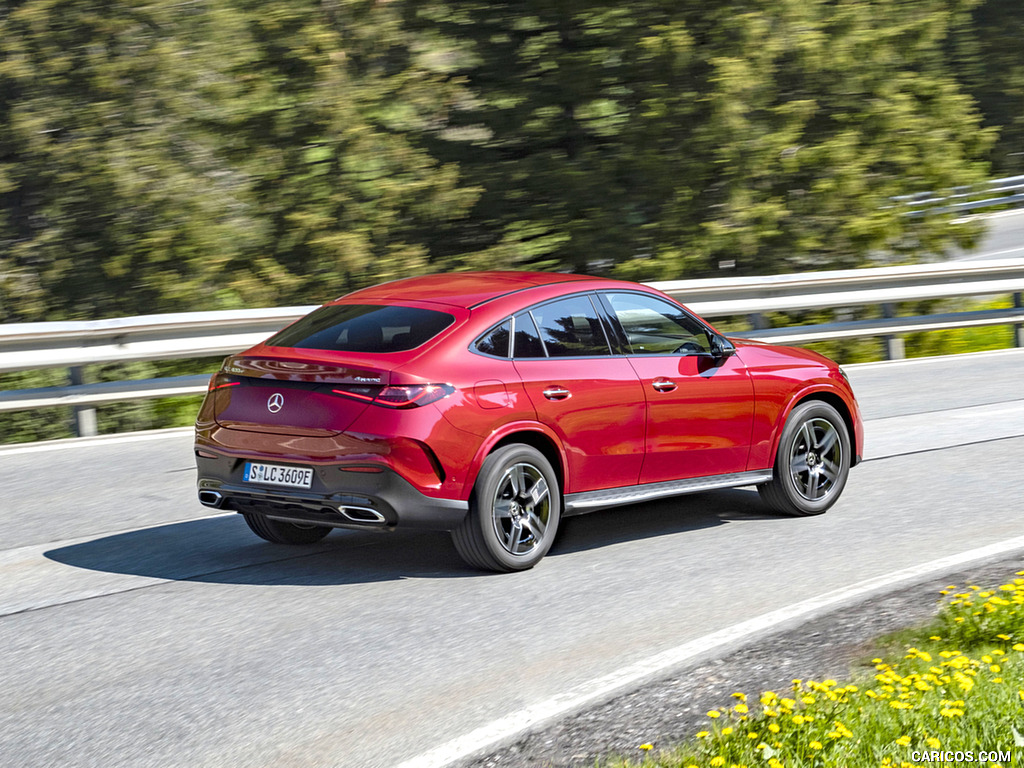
532	431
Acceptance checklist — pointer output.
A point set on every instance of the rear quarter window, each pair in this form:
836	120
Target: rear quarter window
363	328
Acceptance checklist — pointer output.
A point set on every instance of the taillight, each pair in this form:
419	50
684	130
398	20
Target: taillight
401	396
221	380
415	394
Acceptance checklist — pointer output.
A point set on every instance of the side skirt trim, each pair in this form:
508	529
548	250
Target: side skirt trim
578	503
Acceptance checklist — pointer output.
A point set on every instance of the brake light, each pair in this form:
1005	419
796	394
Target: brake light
414	395
219	381
402	396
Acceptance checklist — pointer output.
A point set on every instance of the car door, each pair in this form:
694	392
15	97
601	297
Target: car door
591	399
699	406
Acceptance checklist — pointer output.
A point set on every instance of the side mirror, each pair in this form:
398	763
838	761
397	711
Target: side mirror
721	347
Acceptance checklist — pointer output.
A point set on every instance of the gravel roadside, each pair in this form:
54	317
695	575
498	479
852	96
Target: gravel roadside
673	709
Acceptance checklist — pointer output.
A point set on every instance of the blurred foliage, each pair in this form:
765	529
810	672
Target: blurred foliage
231	153
986	53
228	153
660	140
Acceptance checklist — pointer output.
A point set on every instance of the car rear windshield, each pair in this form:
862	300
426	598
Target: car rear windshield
363	328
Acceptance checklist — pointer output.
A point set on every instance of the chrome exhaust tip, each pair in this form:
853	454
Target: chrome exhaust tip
362	515
211	499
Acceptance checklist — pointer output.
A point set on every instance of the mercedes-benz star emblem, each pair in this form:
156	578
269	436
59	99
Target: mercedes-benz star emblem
275	403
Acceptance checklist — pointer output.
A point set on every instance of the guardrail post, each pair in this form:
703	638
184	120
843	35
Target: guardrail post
85	417
894	347
1018	329
757	321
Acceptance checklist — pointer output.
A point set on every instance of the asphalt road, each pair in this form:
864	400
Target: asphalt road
136	630
1003	237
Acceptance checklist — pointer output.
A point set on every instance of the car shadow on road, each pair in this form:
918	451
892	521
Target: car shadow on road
674	515
223	550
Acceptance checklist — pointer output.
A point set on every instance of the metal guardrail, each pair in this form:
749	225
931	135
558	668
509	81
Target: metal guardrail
72	345
996	192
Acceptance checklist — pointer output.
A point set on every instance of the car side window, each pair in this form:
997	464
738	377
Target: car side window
653	326
571	327
527	340
495	341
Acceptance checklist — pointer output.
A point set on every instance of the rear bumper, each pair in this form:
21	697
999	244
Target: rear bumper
339	498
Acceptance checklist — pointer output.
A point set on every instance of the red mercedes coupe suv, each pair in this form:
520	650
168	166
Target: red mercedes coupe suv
492	404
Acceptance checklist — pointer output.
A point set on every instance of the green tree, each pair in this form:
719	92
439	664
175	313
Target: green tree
109	202
664	139
989	60
319	106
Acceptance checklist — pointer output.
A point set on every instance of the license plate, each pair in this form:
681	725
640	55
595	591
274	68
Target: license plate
275	474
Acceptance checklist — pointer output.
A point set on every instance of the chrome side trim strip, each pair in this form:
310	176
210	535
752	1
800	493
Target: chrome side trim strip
576	503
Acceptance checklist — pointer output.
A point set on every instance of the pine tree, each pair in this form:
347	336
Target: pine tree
665	139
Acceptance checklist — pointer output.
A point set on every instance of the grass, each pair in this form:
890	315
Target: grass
954	686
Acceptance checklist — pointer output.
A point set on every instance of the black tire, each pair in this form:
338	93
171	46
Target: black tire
812	461
280	532
513	513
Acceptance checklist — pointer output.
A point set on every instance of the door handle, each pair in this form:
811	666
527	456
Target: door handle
556	393
663	385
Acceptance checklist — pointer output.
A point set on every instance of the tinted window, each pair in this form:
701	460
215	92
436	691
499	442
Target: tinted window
656	327
495	341
527	339
571	328
363	328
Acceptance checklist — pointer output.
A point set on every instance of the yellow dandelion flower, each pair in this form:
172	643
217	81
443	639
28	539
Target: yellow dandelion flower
752	735
997	680
1018	646
933	742
740	696
963	681
807	699
995	668
717	760
702	734
714	713
903	741
798	719
741	708
987	659
647	747
727	731
815	745
774	727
